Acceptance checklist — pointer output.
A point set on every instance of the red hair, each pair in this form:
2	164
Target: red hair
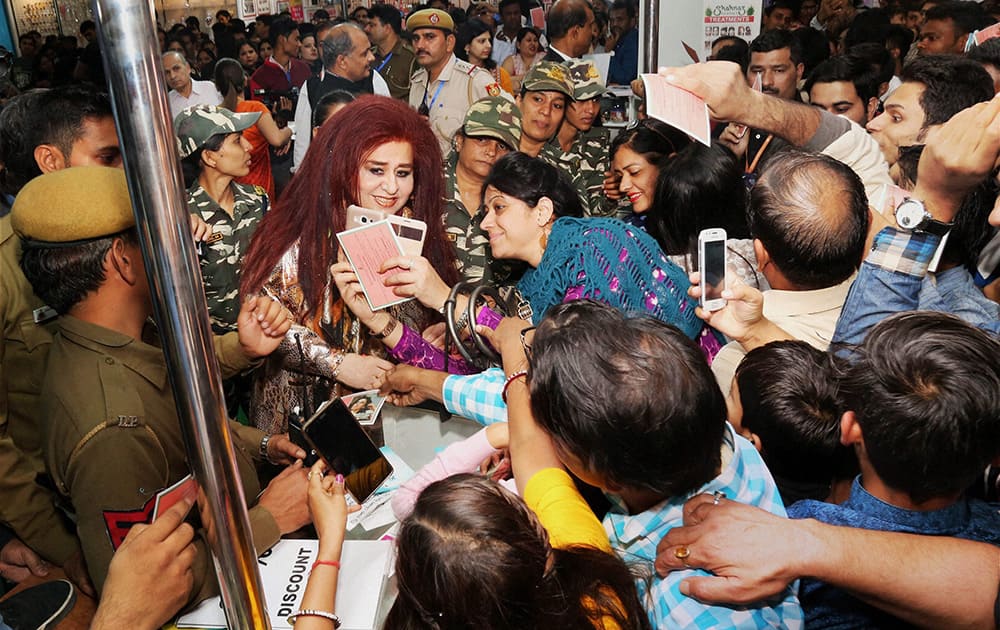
313	208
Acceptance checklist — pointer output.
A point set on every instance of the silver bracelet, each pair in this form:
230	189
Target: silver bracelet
307	612
337	361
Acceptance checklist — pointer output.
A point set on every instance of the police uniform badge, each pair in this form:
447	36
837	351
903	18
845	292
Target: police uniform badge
493	89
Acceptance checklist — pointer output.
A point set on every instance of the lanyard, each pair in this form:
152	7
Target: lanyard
437	92
384	61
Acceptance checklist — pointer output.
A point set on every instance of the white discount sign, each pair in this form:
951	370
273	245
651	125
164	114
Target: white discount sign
739	18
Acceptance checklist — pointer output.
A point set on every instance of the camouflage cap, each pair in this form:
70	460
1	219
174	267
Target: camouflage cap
73	205
547	76
494	117
430	18
195	125
586	80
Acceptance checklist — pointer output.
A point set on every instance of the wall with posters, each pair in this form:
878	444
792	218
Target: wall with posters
691	23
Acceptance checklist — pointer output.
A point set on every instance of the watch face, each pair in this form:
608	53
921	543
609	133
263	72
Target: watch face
910	214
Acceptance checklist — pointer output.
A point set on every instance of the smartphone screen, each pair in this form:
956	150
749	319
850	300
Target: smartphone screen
338	438
713	269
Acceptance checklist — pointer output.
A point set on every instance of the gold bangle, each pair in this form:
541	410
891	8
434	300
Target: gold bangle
389	328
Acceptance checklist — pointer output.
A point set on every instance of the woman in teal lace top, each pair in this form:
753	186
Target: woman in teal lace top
533	215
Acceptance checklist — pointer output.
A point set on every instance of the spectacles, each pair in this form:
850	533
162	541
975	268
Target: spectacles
524	341
646	123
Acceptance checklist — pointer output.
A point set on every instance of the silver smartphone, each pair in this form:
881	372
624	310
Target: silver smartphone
712	265
409	232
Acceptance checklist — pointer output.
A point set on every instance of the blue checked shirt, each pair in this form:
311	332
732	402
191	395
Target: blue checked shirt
477	397
744	478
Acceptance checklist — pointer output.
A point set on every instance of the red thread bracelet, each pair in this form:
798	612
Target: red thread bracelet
510	379
329	563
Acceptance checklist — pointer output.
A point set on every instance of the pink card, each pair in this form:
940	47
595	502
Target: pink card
676	107
367	248
538	18
987	33
167	498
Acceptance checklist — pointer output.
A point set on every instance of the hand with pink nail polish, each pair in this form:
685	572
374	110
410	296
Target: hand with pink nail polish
329	510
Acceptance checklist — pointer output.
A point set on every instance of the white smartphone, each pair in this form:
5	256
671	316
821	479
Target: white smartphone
712	265
360	217
409	232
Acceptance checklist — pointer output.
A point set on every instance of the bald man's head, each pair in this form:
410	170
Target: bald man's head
810	214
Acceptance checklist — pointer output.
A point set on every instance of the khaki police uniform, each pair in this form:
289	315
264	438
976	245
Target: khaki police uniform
28	508
114	440
461	84
396	68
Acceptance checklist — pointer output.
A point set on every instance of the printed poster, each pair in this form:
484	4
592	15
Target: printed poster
740	18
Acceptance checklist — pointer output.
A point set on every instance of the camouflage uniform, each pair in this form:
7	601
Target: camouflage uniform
222	254
549	76
491	117
590	147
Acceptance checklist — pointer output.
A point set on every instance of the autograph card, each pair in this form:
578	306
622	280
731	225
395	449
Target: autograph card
678	108
186	488
365	405
367	248
987	33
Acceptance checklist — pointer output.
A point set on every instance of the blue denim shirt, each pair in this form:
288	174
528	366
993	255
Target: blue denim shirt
828	607
891	280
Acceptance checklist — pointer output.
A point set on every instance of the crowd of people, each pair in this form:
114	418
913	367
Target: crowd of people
822	451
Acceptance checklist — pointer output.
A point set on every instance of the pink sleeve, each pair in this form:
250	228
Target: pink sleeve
460	457
412	349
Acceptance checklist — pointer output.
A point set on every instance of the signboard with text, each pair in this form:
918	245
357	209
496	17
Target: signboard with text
739	18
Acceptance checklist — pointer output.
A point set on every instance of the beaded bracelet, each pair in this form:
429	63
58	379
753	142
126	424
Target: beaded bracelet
307	612
329	563
510	379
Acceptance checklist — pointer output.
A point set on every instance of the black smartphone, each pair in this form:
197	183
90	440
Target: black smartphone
341	441
299	439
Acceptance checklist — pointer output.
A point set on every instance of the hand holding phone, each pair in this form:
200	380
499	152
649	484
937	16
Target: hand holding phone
345	447
712	265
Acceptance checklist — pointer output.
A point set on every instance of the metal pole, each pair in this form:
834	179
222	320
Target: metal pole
138	93
650	35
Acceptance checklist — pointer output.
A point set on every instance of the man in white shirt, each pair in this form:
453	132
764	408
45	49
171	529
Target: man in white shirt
183	91
347	60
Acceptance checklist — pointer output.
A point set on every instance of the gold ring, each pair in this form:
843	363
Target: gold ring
682	553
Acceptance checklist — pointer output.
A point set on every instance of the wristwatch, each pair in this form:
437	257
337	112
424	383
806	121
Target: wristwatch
912	215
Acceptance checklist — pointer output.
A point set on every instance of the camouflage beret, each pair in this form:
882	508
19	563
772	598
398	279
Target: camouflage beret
195	125
586	80
430	18
494	117
73	205
548	76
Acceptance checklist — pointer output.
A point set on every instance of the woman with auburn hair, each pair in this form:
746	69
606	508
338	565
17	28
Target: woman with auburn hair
395	167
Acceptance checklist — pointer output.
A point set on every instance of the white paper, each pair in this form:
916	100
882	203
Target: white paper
677	107
284	571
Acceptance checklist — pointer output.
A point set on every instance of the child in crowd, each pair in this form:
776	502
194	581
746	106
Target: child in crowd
651	432
784	399
923	400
